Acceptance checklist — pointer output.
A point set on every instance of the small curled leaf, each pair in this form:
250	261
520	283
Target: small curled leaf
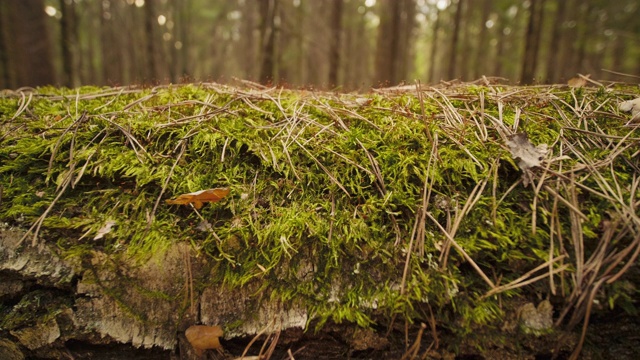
198	198
202	337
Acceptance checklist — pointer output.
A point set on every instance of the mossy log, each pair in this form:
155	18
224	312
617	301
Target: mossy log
452	206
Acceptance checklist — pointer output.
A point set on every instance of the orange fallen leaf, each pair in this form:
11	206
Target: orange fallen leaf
202	337
200	197
578	81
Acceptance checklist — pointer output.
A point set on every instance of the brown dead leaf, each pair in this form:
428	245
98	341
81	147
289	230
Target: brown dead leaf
528	156
198	198
203	337
104	230
578	81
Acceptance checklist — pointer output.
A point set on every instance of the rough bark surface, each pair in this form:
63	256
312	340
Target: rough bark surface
102	302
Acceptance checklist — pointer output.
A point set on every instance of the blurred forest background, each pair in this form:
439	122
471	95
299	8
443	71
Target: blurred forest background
322	44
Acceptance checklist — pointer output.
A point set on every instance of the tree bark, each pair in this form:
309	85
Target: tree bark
585	27
553	59
569	36
336	42
394	32
532	43
185	30
68	42
619	52
28	45
149	24
502	39
248	41
268	10
482	52
453	53
5	80
406	54
434	47
386	41
465	61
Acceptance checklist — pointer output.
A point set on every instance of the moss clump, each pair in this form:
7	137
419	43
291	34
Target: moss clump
358	209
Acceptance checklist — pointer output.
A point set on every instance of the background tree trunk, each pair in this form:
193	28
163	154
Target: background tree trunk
150	21
69	31
28	44
534	28
248	41
5	71
434	47
453	50
466	47
386	49
482	51
553	58
268	10
185	31
567	61
584	36
343	44
336	42
394	35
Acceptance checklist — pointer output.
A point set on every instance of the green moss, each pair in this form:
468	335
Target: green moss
325	194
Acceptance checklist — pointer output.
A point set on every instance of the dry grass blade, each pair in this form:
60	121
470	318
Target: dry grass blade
183	147
376	170
418	233
68	180
23	105
462	252
269	344
38	223
324	168
592	294
140	100
132	140
412	352
473	198
526	280
54	152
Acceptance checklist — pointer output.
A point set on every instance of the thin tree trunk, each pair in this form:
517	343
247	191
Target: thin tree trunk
453	52
385	43
357	69
584	25
268	10
185	30
68	42
112	54
406	53
619	48
464	61
249	50
434	47
532	43
498	62
301	70
92	73
28	46
149	24
553	59
393	32
569	36
482	51
5	79
336	42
